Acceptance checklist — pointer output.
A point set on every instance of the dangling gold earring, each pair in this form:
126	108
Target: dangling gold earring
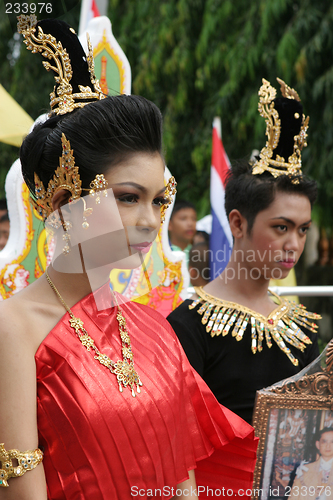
67	225
54	220
170	191
86	213
97	185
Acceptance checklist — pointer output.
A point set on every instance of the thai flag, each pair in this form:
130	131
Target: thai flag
89	10
221	237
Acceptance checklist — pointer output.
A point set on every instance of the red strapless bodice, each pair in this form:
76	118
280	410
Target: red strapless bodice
99	443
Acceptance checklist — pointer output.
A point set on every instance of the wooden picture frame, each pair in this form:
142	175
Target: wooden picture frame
287	418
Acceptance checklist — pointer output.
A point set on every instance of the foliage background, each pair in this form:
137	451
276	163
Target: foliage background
197	59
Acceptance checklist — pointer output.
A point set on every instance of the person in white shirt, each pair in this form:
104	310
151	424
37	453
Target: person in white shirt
314	481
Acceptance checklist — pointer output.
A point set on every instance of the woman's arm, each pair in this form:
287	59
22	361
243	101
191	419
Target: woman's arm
18	403
188	487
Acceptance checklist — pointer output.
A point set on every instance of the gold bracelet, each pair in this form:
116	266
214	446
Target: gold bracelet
27	460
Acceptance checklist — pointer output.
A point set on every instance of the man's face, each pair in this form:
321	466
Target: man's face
4	233
278	236
325	445
182	226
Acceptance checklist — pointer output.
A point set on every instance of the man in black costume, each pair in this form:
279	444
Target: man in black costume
237	334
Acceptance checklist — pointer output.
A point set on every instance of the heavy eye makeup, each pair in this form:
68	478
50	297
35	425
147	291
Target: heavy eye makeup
132	198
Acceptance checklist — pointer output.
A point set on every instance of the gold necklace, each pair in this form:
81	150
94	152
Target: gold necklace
122	369
220	316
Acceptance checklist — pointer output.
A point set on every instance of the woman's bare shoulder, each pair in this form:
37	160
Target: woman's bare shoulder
12	312
25	319
15	324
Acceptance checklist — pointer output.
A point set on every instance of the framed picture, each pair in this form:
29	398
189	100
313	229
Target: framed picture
294	422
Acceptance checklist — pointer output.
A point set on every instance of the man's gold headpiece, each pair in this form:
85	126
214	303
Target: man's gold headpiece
286	128
57	42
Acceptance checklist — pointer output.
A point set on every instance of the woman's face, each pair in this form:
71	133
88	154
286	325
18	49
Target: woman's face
278	236
118	231
138	187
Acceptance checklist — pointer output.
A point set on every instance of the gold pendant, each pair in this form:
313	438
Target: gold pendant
127	376
122	369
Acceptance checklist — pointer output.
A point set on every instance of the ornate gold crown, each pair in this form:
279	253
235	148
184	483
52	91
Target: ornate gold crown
286	128
63	100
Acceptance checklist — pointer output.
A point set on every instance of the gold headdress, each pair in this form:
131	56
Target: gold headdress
76	86
286	128
65	177
71	90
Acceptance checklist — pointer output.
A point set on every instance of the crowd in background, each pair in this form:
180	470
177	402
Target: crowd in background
184	236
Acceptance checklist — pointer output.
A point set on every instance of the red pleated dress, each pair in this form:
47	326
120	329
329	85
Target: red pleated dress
101	444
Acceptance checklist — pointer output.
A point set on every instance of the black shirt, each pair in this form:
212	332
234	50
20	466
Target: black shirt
229	367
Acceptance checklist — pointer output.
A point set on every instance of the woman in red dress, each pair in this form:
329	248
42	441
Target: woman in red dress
120	413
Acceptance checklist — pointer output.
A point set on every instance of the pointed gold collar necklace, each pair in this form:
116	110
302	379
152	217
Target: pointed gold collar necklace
221	316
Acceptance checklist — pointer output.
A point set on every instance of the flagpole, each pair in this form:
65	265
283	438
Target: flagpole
102	6
90	9
85	5
217	126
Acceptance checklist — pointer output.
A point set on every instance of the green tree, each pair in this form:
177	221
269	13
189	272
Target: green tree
201	58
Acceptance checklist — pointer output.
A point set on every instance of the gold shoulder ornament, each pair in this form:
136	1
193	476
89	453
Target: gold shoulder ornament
27	460
221	316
